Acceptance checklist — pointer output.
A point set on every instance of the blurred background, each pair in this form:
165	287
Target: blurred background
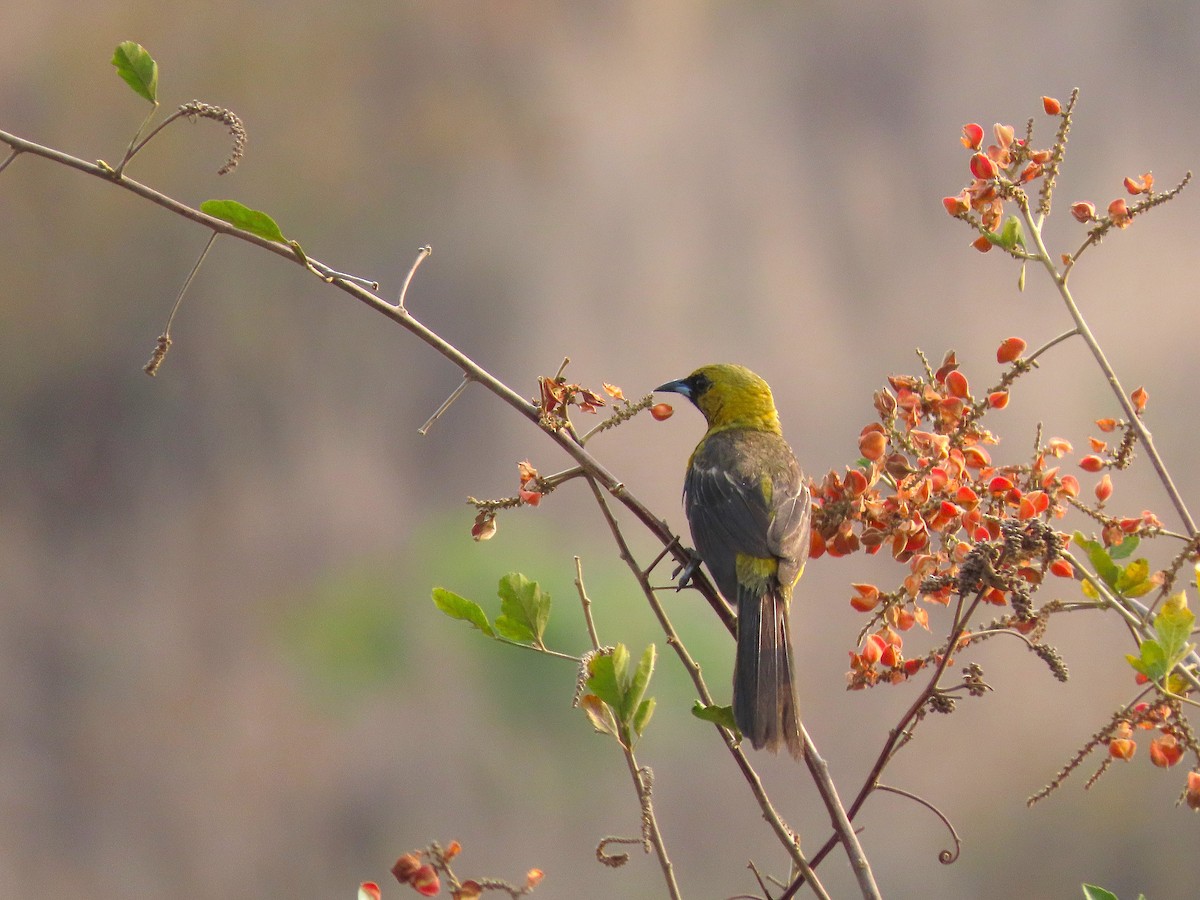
222	675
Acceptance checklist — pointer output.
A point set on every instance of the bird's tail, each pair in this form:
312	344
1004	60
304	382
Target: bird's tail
764	695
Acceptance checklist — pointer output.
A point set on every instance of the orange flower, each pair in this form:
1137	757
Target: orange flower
1143	185
1119	213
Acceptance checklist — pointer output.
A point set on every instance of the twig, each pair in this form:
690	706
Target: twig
164	339
421	254
586	601
437	413
642	778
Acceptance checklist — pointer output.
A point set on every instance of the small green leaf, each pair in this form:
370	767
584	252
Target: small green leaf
599	714
524	609
1125	548
1011	234
457	607
1101	561
252	220
1133	580
1174	626
138	69
642	717
637	685
1151	660
718	715
602	679
620	663
1091	892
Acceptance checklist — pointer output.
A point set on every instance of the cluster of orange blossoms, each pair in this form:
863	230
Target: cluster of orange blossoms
1166	749
418	870
1009	163
928	493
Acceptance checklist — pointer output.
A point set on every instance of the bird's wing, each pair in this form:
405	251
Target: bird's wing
788	536
728	515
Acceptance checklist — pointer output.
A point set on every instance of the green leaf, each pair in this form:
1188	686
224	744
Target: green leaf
1151	660
638	683
1174	626
1091	892
1125	548
642	717
718	715
602	679
1101	561
457	607
524	609
1010	236
1133	580
138	69
254	221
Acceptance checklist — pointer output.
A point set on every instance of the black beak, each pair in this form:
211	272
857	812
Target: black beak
682	386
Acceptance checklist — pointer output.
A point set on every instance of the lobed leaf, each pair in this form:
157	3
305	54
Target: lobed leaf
1151	660
524	609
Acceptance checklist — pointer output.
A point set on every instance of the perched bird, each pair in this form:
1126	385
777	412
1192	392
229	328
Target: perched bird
749	511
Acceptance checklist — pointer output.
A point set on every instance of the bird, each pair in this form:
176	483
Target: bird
749	510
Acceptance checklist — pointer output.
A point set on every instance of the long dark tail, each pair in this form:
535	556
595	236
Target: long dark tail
764	695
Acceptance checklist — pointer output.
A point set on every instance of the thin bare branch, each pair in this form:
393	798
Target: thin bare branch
421	254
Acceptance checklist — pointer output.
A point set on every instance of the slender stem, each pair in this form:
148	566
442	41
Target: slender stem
586	601
536	649
1053	342
1081	325
650	823
641	783
421	254
841	820
13	154
187	283
135	149
437	413
134	146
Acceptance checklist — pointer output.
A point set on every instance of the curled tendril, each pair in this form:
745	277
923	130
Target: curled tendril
945	857
614	860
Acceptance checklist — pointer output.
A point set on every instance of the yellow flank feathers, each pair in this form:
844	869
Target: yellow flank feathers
755	572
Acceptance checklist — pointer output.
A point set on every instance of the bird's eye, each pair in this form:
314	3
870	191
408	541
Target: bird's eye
700	384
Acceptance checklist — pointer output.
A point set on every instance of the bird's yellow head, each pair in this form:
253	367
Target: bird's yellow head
730	396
